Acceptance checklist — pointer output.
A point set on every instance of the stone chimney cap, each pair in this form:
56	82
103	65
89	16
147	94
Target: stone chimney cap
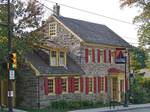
56	10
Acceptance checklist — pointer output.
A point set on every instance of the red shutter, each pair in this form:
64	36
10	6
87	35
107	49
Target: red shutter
73	85
86	55
98	55
109	56
46	86
57	85
106	88
93	55
95	84
60	86
81	84
69	84
99	84
87	85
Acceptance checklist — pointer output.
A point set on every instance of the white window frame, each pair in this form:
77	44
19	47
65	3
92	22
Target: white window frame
62	78
89	55
53	29
102	85
77	91
52	93
51	58
63	59
92	78
101	56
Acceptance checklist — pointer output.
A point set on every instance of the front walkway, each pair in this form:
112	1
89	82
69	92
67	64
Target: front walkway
117	108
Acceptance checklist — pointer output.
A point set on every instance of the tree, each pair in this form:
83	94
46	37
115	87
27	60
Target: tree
138	58
27	17
143	19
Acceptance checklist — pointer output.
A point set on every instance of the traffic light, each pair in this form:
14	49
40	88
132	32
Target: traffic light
13	61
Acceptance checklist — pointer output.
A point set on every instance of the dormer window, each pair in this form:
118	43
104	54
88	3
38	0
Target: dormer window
53	58
57	58
52	29
62	58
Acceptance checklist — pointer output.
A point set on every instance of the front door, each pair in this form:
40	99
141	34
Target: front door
114	89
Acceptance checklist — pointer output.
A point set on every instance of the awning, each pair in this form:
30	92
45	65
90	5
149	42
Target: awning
115	70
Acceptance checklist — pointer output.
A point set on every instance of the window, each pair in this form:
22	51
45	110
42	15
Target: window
102	84
90	84
90	56
112	56
53	60
62	58
57	58
77	84
52	29
64	85
101	56
51	85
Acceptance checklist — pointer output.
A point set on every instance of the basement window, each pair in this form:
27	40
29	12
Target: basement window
52	29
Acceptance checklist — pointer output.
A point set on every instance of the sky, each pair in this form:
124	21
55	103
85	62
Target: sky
110	8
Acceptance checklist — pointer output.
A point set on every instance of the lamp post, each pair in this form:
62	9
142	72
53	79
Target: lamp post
126	82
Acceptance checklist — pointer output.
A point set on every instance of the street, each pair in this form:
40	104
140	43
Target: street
137	110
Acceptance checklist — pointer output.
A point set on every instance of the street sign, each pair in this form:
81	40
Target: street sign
10	94
11	74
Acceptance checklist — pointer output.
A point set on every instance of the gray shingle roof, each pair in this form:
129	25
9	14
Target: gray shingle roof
44	68
93	33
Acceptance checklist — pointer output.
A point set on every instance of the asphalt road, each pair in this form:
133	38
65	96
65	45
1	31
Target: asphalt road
138	110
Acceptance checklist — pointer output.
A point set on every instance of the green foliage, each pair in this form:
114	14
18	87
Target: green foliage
139	91
143	19
64	106
27	14
139	58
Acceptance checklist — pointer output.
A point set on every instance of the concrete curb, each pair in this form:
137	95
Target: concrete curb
117	108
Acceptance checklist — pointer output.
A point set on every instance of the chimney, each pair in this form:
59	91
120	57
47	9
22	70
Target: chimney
56	9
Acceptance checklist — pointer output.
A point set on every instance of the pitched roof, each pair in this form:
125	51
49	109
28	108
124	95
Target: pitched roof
93	33
72	68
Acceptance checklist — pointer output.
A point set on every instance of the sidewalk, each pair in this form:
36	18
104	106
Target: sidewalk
14	110
117	108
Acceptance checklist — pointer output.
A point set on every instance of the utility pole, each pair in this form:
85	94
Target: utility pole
126	81
10	89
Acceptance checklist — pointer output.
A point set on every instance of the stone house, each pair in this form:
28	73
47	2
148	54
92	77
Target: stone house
78	61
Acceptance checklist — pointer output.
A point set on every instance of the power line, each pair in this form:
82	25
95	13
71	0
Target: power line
53	12
45	6
93	13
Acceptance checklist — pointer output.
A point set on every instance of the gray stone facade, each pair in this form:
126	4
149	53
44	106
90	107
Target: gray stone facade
31	87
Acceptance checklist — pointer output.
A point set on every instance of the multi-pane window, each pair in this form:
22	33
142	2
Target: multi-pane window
51	86
62	58
102	84
90	55
77	84
53	59
90	84
53	29
112	56
64	85
101	56
57	58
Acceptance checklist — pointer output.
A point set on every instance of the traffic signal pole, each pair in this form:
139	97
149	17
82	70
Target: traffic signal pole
10	89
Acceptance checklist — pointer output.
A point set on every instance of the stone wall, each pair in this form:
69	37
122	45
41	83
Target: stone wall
45	100
64	38
26	87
